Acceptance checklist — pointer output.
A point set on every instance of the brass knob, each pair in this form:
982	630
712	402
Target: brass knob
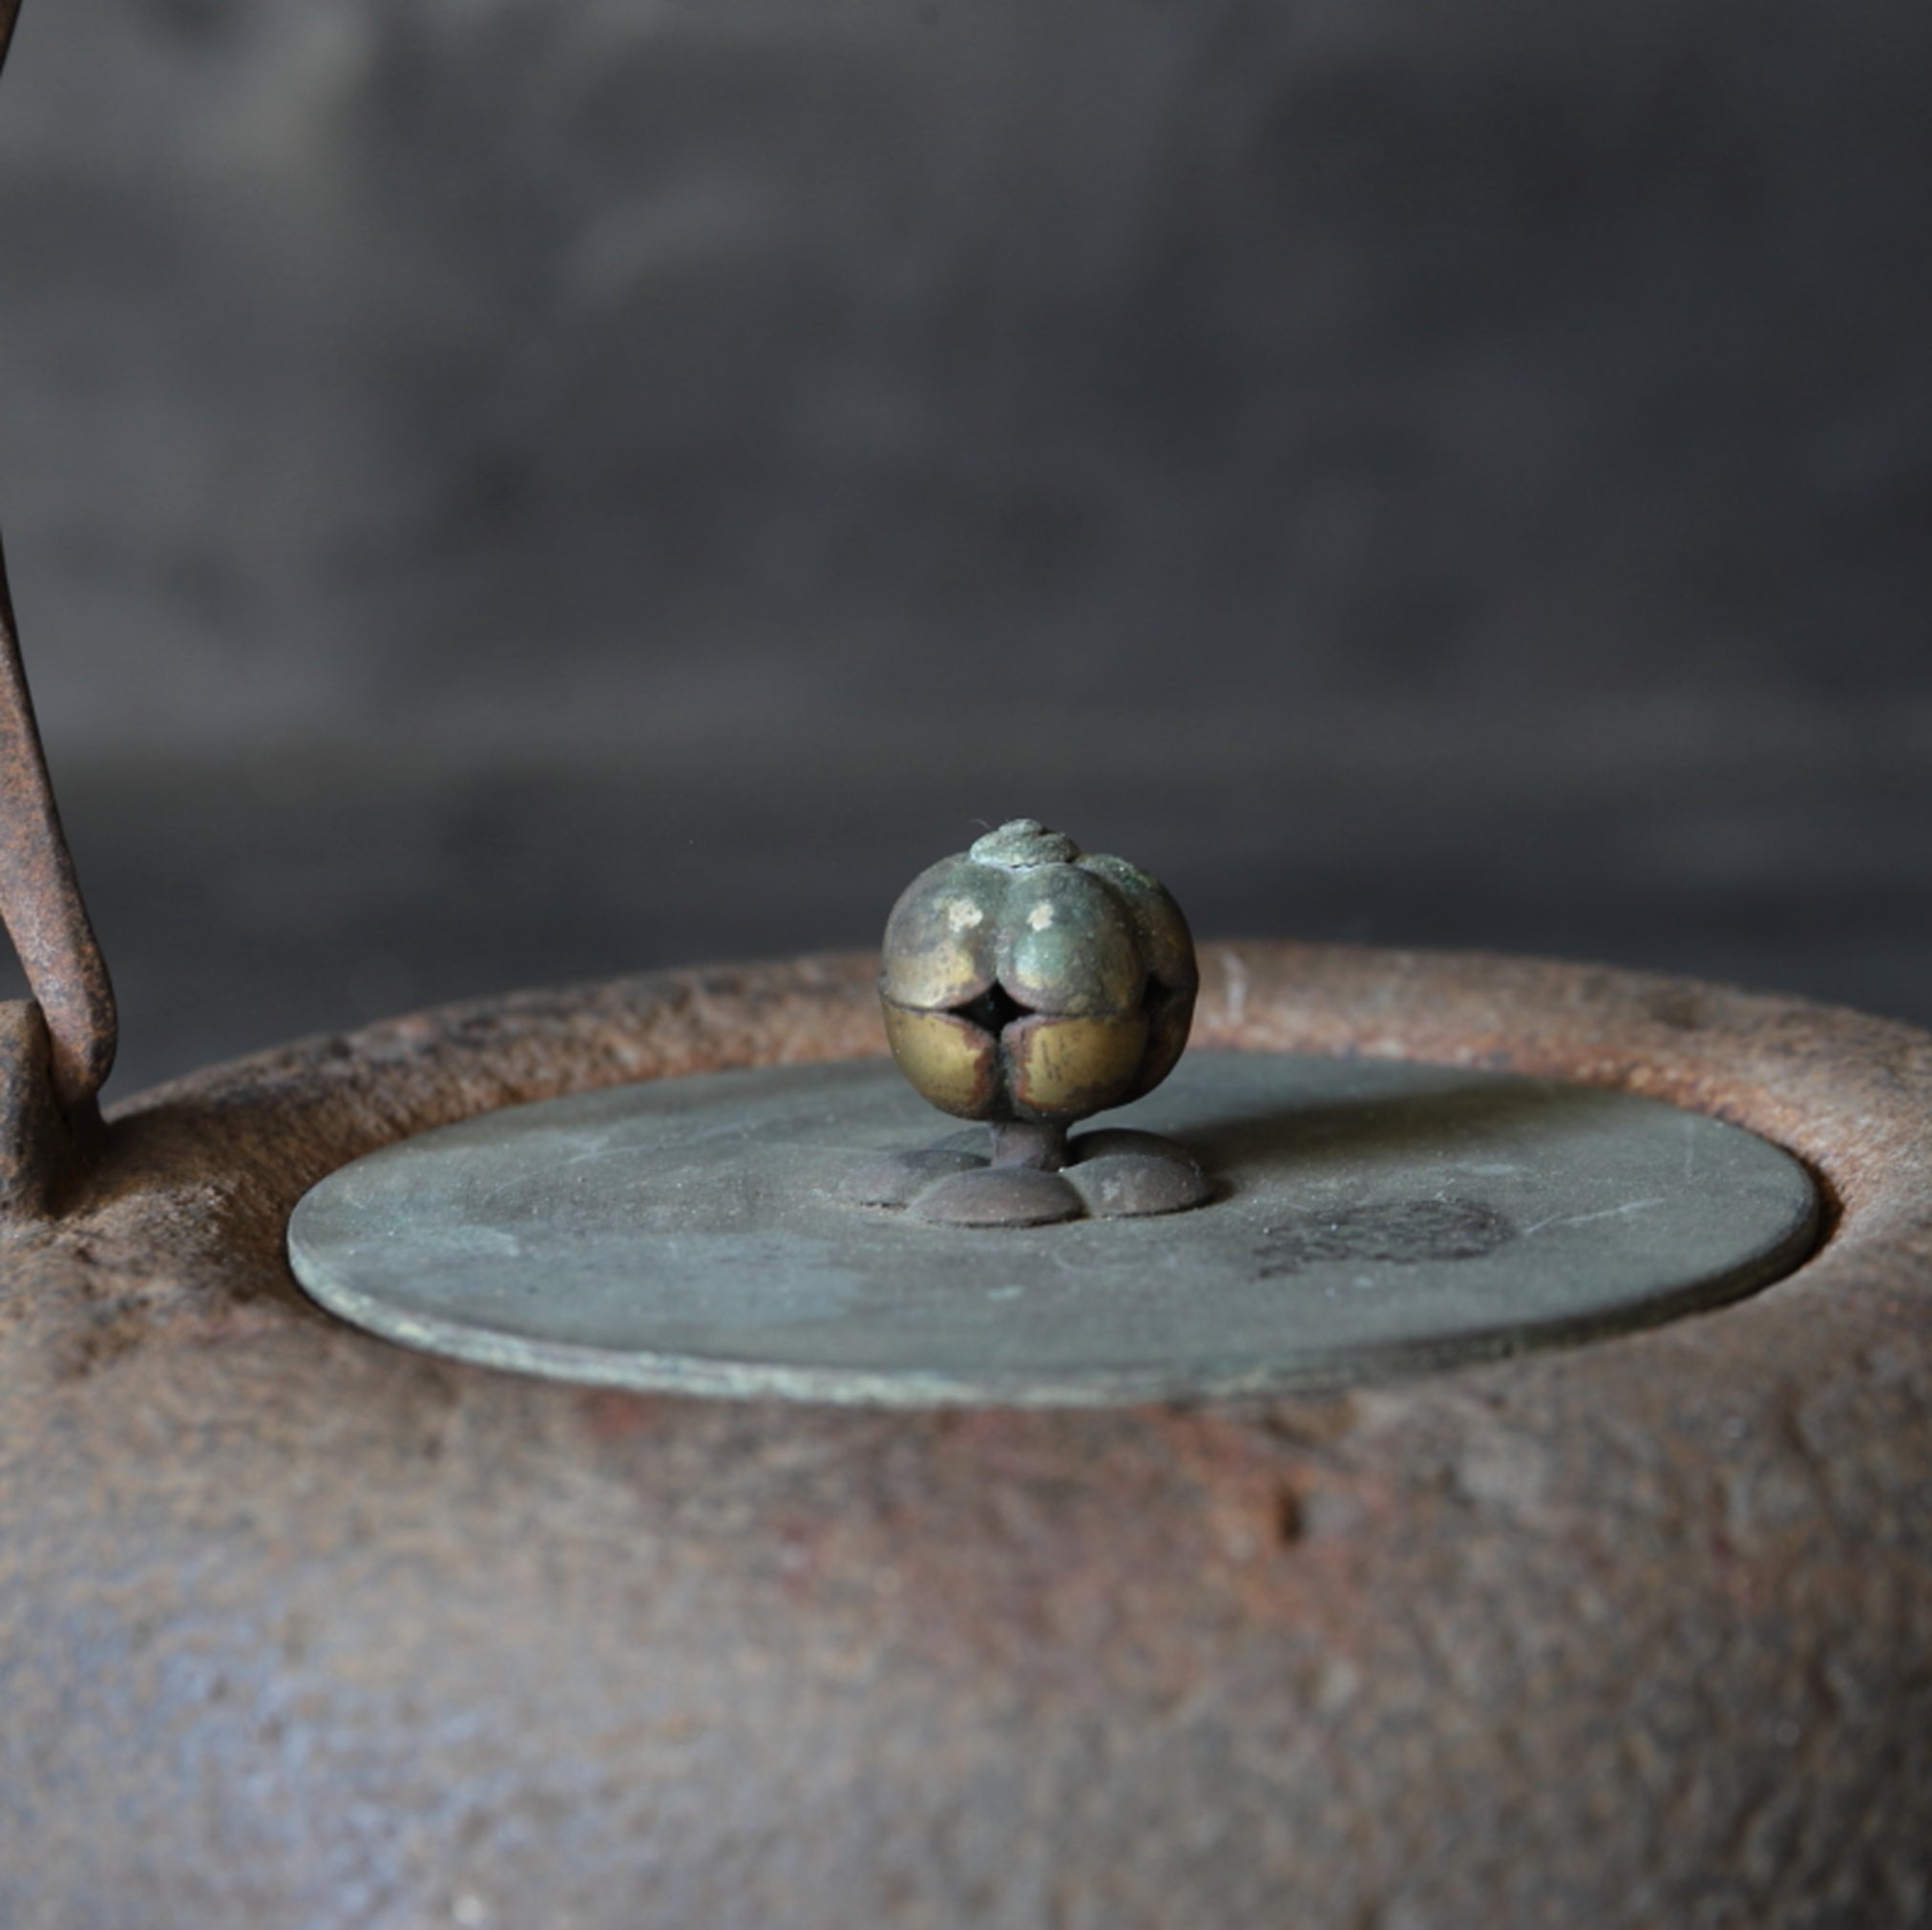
1029	984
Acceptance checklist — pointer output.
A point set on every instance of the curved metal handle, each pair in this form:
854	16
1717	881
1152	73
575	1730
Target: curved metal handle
40	898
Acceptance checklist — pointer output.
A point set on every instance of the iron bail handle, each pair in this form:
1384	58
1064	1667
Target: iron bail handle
56	1052
40	896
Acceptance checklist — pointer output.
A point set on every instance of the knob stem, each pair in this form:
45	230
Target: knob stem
1029	1142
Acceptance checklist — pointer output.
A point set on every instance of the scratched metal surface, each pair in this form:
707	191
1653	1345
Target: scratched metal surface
688	1235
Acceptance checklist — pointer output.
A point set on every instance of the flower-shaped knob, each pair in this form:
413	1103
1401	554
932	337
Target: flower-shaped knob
1024	980
1029	984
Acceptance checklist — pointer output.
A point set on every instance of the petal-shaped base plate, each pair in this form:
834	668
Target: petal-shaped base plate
1111	1175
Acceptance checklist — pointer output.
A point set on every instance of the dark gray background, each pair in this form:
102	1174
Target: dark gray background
513	489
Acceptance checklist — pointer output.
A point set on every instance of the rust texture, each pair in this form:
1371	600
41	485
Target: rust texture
40	897
57	1049
42	1146
41	906
301	1628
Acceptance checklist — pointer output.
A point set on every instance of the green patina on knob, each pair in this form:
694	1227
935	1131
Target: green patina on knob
1029	984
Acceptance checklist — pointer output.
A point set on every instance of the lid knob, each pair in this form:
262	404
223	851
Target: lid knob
1030	984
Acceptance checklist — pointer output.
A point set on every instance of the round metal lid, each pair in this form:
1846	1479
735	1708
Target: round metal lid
687	1234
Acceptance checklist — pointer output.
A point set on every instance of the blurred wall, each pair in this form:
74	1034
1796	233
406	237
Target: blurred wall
586	359
507	489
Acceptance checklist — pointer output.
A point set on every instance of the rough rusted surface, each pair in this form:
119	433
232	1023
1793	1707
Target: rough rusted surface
40	905
40	900
34	1135
39	896
302	1629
